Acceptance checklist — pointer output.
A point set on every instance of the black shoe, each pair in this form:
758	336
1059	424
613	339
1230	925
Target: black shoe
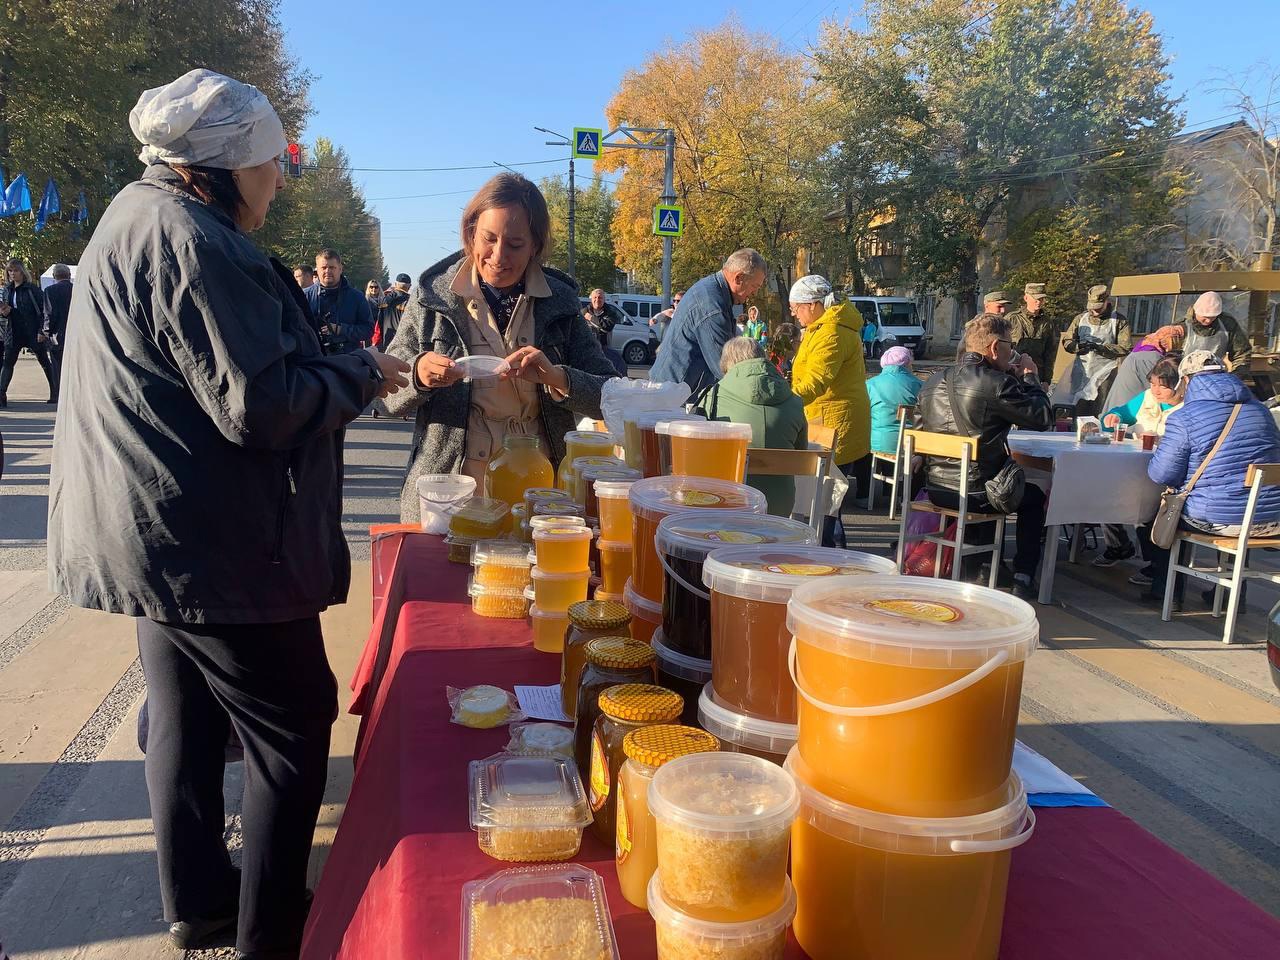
194	934
1025	591
1113	555
4	401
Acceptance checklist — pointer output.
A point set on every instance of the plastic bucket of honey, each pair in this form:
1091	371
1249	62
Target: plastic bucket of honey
707	449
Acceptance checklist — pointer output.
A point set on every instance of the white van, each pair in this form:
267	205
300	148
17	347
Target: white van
898	324
632	337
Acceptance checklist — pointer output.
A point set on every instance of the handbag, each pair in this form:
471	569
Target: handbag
1005	489
1164	528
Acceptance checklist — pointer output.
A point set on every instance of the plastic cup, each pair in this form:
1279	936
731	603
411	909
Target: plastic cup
555	593
440	496
480	367
615	565
724	826
711	449
562	549
909	690
681	937
548	629
582	443
614	506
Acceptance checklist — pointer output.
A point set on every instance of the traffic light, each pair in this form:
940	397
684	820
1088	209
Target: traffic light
294	161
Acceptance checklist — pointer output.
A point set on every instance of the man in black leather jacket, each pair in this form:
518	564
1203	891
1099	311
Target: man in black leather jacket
988	391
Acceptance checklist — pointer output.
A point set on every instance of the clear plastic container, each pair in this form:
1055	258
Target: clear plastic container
555	593
590	477
500	563
588	620
562	548
555	509
679	672
640	438
636	837
909	690
582	443
519	466
536	495
646	616
480	518
613	501
681	937
683	542
549	629
657	497
615	564
440	496
481	367
541	739
527	808
503	603
459	548
537	913
739	733
904	887
750	587
712	449
574	481
724	827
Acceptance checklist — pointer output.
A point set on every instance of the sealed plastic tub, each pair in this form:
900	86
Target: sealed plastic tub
681	937
873	885
480	518
739	733
549	629
556	592
615	564
500	563
527	808
612	499
582	443
750	587
440	496
503	603
640	438
713	448
909	690
562	549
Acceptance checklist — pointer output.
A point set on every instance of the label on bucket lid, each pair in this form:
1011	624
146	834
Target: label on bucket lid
697	498
655	497
770	572
924	610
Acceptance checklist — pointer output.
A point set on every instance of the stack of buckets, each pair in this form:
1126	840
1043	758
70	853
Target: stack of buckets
908	693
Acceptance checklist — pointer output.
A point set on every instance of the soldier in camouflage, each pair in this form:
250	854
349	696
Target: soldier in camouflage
1034	332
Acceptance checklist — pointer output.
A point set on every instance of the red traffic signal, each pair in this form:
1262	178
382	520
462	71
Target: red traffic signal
294	151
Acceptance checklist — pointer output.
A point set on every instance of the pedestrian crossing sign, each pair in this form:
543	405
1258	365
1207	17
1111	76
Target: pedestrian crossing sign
586	143
668	221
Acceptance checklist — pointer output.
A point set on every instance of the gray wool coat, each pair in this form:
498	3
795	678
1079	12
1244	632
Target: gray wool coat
433	321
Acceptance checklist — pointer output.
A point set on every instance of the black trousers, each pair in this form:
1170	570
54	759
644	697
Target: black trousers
12	346
273	683
1028	528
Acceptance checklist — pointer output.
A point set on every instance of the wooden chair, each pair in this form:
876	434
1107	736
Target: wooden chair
1258	475
774	462
964	449
906	415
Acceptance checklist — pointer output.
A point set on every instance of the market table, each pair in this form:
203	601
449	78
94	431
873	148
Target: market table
1092	483
1090	883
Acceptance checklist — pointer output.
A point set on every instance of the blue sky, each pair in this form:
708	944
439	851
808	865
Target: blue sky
403	84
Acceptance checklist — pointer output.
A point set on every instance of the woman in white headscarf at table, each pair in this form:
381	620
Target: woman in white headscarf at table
196	486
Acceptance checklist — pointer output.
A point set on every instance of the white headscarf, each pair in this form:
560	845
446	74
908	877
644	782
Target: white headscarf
208	120
1208	304
810	289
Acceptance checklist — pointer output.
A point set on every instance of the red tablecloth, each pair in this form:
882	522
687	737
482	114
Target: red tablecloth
1090	885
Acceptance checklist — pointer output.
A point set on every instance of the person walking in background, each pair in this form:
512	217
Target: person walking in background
895	386
345	320
751	391
1095	342
830	374
388	317
1034	331
373	296
1134	374
704	322
22	310
755	328
57	299
200	379
662	319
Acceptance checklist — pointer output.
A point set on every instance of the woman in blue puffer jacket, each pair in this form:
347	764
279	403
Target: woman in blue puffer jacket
1217	502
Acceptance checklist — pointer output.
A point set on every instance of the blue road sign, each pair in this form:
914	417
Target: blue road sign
587	143
668	221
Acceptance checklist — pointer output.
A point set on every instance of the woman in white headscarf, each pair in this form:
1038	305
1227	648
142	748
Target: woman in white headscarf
195	486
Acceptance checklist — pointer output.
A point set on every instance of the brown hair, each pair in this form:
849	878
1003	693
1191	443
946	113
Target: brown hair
15	262
985	329
509	190
1166	372
212	185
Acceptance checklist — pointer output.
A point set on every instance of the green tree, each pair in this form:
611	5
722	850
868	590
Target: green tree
594	210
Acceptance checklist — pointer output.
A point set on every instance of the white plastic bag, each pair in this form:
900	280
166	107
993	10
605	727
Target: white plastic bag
621	396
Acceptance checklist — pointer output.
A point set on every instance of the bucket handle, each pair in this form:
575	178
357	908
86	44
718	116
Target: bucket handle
901	706
995	846
696	591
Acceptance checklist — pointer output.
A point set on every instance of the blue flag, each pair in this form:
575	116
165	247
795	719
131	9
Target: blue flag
17	199
4	205
50	204
81	214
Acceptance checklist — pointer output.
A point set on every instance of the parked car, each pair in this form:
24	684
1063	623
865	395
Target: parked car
632	336
898	324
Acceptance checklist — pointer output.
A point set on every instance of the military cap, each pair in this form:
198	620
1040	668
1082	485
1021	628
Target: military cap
1098	295
1034	290
996	296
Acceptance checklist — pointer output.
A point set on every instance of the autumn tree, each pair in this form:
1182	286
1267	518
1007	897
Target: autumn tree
594	209
746	157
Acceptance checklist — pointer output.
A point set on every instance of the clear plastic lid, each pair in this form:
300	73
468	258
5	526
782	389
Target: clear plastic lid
541	739
769	573
613	489
724	939
613	597
556	508
445	487
649	419
508	790
588	440
481	367
641	607
678	664
561	533
705	430
918	836
506	553
535	495
655	497
693	534
536	613
912	621
614	546
762	736
593	462
719	793
542	911
544	522
483	510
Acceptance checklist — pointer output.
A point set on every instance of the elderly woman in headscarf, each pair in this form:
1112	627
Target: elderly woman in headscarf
494	298
196	486
1135	370
830	375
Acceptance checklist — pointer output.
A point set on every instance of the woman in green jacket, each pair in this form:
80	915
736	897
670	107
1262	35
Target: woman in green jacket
751	391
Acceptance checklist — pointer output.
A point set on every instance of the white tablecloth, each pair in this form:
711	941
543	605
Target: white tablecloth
1093	483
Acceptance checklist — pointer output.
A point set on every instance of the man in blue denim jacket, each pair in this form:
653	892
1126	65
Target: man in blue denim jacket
704	323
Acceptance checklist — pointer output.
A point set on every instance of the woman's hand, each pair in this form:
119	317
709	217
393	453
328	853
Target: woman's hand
436	370
530	363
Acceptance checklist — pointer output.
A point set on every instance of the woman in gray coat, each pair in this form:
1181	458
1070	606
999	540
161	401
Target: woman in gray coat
493	298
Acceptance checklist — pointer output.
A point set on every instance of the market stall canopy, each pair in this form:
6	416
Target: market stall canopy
1223	281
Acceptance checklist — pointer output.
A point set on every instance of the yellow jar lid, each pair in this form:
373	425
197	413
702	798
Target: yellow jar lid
641	702
620	653
599	614
655	745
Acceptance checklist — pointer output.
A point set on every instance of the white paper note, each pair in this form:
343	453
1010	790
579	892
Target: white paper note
542	703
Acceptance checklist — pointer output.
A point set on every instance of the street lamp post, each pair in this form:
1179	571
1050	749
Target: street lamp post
573	197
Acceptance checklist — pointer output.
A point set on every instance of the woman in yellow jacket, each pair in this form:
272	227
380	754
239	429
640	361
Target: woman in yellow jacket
829	374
